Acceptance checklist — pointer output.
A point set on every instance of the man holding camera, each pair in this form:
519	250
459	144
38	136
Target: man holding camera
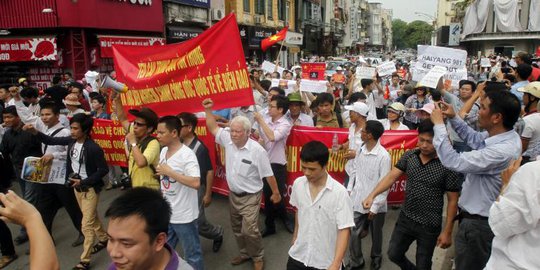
85	167
143	148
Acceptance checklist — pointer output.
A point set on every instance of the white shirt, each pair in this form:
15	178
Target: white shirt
355	142
386	125
246	166
371	167
532	132
183	199
319	220
370	101
302	120
59	152
76	152
515	221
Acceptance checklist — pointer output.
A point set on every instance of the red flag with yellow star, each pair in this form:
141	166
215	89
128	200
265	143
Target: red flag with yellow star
271	40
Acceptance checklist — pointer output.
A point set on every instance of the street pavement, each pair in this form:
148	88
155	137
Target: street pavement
275	247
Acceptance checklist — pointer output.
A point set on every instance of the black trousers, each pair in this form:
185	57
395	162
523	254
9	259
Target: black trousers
271	211
52	197
6	242
293	264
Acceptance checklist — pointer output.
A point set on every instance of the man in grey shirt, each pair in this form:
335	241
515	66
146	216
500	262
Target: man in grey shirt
493	149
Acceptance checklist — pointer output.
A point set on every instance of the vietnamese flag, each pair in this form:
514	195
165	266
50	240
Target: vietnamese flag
271	40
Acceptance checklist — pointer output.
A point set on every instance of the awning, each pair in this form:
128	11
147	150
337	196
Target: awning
106	42
28	49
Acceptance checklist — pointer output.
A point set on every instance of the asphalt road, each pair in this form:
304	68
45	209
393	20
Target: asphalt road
276	246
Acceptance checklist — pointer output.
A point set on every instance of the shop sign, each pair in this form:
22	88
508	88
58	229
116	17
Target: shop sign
28	49
196	3
294	38
183	33
106	42
136	2
257	34
42	76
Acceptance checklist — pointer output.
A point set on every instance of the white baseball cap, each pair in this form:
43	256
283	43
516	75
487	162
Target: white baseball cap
359	107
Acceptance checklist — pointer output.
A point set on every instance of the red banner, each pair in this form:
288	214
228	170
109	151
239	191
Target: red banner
396	142
28	49
313	71
110	136
106	43
177	77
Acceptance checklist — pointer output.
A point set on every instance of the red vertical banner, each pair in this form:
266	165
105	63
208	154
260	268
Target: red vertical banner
313	71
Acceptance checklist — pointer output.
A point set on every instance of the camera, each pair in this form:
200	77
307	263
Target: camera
72	175
123	181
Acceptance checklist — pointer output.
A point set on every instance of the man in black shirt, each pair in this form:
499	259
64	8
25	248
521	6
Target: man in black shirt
420	218
19	144
57	92
189	138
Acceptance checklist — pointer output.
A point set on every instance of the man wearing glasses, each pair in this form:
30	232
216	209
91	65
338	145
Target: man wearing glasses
143	148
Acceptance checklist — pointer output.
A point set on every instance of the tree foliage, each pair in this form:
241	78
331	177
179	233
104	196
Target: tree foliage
408	35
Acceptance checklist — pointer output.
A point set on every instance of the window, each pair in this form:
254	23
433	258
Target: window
246	6
259	7
281	10
270	9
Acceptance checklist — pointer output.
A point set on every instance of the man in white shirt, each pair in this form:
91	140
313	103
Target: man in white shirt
371	101
323	217
514	218
180	179
372	164
246	164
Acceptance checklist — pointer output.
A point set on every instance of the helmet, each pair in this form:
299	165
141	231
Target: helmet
397	106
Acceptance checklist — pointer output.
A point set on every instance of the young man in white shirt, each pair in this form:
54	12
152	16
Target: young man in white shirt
323	217
372	163
180	180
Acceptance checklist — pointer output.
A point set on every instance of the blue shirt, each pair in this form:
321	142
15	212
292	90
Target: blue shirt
482	166
514	89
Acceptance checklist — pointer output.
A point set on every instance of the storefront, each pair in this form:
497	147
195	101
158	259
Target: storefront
252	47
74	36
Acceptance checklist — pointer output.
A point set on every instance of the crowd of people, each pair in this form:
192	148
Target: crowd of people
478	148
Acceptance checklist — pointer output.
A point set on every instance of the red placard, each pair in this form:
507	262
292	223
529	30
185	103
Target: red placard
313	71
177	77
110	136
28	49
106	43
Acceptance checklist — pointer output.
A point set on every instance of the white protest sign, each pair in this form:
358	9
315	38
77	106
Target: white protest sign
270	67
432	77
484	62
452	59
365	72
305	85
386	68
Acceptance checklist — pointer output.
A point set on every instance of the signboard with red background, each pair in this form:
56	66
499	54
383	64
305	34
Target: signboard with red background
28	49
313	71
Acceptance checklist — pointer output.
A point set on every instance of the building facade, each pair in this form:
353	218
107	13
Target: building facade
40	38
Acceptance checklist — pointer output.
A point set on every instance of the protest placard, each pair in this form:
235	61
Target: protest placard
484	62
313	71
305	85
182	75
386	68
365	72
432	77
269	67
452	59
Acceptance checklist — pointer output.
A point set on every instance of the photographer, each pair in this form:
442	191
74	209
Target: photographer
85	168
143	148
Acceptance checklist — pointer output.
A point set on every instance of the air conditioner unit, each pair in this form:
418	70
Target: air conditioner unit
258	19
217	14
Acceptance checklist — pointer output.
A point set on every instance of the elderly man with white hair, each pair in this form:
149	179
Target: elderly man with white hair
246	164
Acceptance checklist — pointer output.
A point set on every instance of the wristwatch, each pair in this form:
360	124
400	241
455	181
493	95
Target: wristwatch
133	145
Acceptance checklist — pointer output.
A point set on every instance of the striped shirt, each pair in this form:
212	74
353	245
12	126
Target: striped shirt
371	167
